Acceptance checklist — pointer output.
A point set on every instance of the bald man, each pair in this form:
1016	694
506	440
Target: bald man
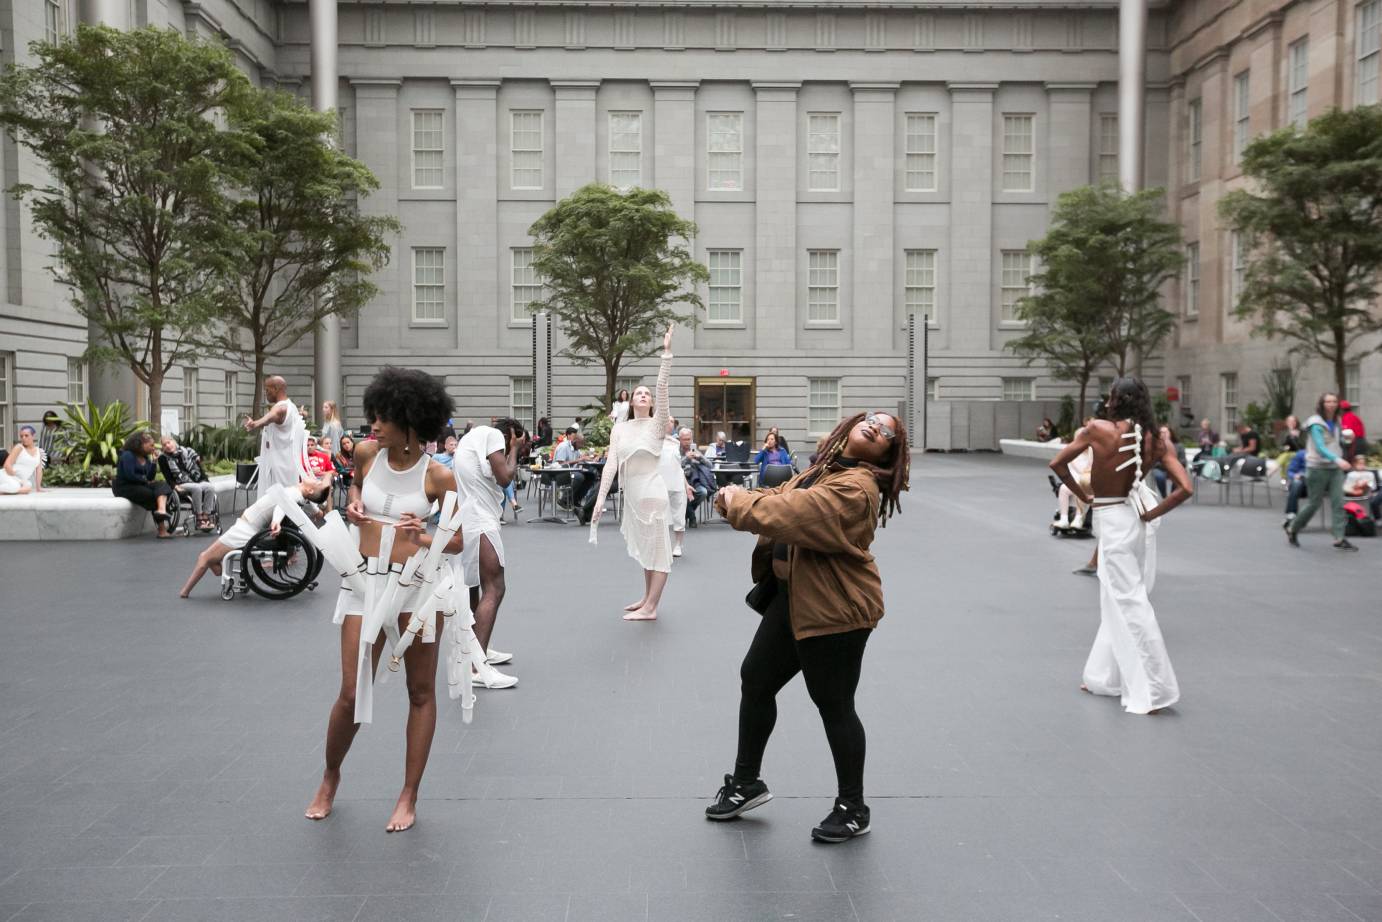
283	447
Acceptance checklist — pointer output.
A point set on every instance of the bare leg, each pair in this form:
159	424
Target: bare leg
491	593
657	581
647	587
420	664
209	559
341	727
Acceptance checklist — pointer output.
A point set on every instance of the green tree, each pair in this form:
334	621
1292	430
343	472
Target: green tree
302	250
125	125
614	264
1096	295
1313	226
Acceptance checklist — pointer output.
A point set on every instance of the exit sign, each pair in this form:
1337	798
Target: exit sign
724	372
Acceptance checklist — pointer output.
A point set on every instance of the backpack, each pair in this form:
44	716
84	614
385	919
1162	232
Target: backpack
1357	522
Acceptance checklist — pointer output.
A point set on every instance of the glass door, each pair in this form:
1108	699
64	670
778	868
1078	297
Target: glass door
724	405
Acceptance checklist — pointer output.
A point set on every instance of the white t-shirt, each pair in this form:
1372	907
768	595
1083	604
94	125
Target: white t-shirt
481	498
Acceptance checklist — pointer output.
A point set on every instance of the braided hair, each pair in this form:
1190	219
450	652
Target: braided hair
1134	403
892	476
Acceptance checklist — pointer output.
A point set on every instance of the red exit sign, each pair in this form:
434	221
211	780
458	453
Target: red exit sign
724	372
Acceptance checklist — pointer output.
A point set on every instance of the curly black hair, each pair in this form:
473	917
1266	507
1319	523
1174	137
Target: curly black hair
410	399
1129	399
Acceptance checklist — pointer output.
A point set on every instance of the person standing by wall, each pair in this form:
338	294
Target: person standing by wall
332	427
1325	468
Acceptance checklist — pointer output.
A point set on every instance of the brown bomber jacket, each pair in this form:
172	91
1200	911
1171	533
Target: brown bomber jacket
834	584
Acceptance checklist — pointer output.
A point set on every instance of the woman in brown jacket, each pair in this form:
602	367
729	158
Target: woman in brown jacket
813	563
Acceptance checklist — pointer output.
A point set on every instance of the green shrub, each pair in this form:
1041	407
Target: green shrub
1066	424
1161	407
74	475
94	435
221	443
596	431
216	468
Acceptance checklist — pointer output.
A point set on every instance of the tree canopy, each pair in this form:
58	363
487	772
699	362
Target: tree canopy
1312	225
614	264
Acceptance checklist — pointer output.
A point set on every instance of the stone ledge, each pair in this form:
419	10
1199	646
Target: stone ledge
80	514
1026	448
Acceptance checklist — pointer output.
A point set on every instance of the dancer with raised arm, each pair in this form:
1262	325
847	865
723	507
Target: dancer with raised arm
390	501
635	445
1129	656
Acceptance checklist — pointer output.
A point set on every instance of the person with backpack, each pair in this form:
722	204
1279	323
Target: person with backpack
1324	473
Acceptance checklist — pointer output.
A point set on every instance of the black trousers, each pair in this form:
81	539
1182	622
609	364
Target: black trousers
830	665
142	494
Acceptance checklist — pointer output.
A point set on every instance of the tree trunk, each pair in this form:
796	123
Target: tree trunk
611	376
156	374
258	405
1340	361
1080	407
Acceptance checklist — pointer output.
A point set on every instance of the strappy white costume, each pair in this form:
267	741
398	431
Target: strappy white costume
283	450
635	445
1129	657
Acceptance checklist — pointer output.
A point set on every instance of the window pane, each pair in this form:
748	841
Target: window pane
428	151
521	399
823	404
1017	153
1196	137
429	284
1369	40
1299	79
921	152
526	149
232	387
1017	389
823	152
76	381
1015	268
726	286
625	149
919	282
526	286
725	150
1108	148
1192	280
1241	114
823	286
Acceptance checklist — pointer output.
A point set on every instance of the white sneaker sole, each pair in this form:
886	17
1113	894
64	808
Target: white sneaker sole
758	801
496	658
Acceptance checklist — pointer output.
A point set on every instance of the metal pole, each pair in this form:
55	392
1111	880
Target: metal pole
1132	80
326	339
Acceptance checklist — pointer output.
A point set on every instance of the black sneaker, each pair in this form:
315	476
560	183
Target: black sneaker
1345	545
735	799
1290	535
844	823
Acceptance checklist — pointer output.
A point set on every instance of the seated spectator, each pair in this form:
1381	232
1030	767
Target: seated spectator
1158	472
23	470
781	442
182	469
770	453
136	478
699	477
1292	439
1295	484
1360	481
569	453
344	460
448	451
716	451
48	436
1047	430
544	433
318	461
1208	438
1352	421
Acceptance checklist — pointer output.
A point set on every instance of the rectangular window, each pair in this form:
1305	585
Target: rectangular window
1228	402
625	149
7	433
521	399
1018	389
525	288
1238	249
1192	280
921	152
725	151
429	285
933	388
1108	148
823	287
1187	408
1353	383
725	304
76	381
919	283
1369	44
823	151
822	405
189	399
1019	153
525	144
1196	134
428	149
54	22
1241	114
626	383
1298	82
232	395
1016	269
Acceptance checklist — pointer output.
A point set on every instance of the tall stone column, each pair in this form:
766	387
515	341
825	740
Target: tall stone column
775	217
1070	107
326	339
971	218
874	314
576	133
1132	80
477	212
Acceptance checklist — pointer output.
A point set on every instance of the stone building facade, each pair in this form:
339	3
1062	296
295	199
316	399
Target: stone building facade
847	163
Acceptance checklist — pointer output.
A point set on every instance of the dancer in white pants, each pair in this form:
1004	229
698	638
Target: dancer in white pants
1129	657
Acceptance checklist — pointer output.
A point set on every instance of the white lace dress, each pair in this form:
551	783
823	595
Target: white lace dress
635	446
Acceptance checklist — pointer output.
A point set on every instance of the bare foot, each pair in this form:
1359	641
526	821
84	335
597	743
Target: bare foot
1085	688
642	614
320	807
635	606
404	813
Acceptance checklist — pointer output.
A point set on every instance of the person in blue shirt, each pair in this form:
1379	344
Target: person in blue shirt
770	454
136	479
1324	473
448	449
1295	483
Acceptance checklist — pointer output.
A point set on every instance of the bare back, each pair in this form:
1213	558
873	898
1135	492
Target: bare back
1106	438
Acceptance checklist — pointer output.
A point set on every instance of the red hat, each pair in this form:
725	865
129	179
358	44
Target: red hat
1345	405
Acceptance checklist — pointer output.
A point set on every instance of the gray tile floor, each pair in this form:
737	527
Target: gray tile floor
155	755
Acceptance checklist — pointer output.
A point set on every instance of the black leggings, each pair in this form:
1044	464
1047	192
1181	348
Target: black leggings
830	664
142	494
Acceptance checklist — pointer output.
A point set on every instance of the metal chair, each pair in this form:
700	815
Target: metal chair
775	475
246	479
1250	473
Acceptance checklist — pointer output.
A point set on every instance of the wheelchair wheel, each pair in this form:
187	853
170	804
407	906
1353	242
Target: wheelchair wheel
176	509
279	567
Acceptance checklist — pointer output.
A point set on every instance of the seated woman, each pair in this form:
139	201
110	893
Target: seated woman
344	461
23	470
263	514
182	467
771	453
136	479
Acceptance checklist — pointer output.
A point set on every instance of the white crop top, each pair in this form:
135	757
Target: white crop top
388	494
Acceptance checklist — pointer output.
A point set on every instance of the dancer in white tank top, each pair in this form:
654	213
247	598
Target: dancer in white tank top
394	488
283	441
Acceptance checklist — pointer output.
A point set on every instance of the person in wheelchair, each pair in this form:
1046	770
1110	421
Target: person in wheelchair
263	514
182	468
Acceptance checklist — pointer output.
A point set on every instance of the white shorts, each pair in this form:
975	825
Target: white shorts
469	558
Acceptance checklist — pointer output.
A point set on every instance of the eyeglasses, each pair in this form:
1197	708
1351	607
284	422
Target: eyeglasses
883	429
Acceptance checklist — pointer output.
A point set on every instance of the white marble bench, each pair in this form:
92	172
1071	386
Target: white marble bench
82	514
1026	448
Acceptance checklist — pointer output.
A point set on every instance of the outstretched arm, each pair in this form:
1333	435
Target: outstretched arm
1060	464
277	413
662	410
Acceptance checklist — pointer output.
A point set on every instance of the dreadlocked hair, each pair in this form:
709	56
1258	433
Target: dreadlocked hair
892	476
1130	400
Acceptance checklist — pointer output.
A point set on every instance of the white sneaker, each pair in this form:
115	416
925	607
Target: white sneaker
497	658
490	677
676	551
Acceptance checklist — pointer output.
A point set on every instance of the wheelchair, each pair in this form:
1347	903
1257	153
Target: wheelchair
181	519
275	567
